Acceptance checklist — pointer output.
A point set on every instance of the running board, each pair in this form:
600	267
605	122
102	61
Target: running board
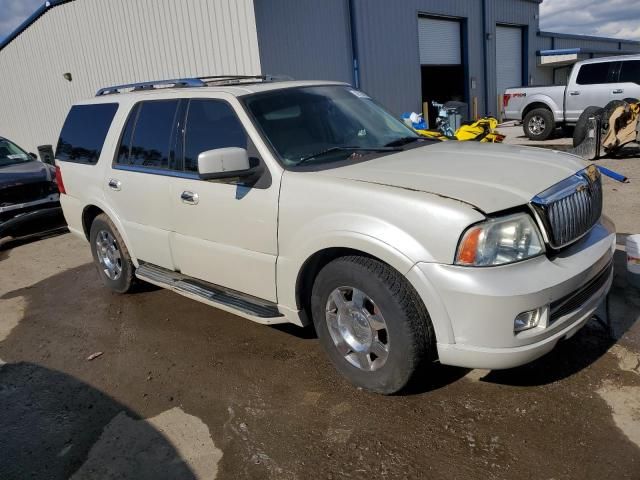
253	308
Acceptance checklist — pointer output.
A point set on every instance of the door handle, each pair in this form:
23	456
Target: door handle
190	198
574	93
617	91
115	184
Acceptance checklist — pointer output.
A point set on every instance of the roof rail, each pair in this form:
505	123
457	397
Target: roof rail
191	82
178	82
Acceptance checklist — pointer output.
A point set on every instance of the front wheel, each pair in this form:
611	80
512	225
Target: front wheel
539	124
371	322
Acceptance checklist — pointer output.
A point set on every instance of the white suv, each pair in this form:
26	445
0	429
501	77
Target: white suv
307	202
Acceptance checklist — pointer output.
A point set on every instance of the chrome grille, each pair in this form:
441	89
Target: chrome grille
570	209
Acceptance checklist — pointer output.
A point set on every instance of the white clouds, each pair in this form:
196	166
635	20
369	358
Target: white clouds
608	18
14	12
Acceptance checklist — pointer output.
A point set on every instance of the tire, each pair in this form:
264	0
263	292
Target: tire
391	315
113	262
539	124
631	100
580	131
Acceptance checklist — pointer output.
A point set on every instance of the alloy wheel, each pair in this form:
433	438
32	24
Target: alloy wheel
536	125
357	328
108	255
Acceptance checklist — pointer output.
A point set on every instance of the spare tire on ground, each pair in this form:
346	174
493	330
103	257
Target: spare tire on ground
582	127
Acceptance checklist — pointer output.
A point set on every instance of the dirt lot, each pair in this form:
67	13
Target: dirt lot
182	390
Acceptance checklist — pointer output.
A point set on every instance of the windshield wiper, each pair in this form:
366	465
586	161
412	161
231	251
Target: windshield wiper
386	148
402	141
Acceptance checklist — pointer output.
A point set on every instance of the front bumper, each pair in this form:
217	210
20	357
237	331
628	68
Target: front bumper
474	308
32	217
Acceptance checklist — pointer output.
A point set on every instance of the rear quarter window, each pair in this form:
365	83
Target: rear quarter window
630	72
595	73
84	133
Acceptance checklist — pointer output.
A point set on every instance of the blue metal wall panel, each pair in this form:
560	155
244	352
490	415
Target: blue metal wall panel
311	39
388	46
305	39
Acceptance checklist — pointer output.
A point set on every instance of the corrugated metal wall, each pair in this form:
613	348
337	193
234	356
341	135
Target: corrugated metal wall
305	39
549	41
388	46
106	42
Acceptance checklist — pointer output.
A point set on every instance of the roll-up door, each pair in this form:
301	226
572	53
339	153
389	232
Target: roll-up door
508	57
440	41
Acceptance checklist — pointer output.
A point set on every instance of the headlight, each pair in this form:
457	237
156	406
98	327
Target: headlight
499	241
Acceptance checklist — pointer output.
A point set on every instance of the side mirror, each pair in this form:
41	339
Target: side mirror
33	155
225	163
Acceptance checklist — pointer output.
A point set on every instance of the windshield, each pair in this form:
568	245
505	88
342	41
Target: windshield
325	124
10	153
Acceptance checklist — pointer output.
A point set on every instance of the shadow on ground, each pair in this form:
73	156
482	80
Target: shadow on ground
50	420
9	243
272	401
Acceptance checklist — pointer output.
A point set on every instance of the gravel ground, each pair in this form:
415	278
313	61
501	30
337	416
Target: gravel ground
182	390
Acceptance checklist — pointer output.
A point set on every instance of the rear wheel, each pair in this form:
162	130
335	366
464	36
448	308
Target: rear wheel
539	124
110	255
371	322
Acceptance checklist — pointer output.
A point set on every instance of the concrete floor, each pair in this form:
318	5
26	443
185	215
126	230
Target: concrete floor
182	390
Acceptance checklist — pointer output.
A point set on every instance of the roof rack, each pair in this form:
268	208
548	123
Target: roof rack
191	82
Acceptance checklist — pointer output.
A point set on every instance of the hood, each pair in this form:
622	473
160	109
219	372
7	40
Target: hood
24	173
488	176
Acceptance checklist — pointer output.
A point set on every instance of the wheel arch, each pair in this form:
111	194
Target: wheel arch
89	214
537	104
315	261
309	271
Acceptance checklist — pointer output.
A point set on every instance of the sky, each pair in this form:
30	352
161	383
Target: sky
14	12
604	18
608	18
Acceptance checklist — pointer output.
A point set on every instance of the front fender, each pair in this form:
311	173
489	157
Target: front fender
291	261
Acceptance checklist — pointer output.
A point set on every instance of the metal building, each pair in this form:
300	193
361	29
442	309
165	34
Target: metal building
405	53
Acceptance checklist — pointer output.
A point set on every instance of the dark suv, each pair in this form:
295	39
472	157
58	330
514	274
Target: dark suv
29	200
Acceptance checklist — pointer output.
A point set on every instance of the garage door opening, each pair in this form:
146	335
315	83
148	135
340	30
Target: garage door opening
441	59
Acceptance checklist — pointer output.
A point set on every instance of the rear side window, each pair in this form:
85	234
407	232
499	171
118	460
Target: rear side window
211	124
84	132
630	72
147	136
594	73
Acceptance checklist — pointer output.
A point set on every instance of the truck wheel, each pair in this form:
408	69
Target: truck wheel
371	322
582	126
539	124
631	100
111	255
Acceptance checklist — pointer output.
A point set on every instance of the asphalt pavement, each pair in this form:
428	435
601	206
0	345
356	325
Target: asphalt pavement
176	389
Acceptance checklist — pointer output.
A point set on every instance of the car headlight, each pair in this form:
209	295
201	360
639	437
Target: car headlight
499	241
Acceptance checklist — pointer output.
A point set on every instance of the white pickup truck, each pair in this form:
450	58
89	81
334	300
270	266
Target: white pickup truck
593	82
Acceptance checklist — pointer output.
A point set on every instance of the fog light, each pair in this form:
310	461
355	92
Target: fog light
526	320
